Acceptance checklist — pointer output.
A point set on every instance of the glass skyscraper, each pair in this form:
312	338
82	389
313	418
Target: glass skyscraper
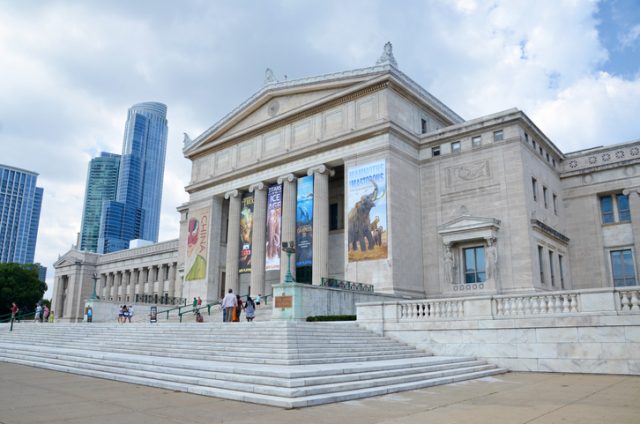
20	204
135	213
102	185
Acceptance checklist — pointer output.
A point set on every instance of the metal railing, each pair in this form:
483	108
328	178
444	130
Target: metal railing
346	285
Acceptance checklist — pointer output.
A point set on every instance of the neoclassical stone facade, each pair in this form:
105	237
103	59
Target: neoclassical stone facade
405	195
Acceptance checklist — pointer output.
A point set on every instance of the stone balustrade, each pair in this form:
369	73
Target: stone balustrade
584	331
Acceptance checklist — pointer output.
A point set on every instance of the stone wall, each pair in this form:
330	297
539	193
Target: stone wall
587	331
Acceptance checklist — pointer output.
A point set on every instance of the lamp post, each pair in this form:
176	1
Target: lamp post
289	247
94	295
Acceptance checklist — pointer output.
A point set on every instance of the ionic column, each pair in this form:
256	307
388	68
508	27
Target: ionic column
104	282
172	280
130	285
233	241
112	285
258	237
320	267
288	226
634	210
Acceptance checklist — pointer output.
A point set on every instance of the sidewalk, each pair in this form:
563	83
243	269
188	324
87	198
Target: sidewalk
29	395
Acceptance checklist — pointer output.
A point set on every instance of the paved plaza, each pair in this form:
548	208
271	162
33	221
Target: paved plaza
29	395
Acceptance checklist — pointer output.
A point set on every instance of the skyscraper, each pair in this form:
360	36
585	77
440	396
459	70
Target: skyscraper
102	185
135	214
20	204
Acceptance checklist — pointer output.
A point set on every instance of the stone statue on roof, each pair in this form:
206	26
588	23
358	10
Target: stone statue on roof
186	140
387	56
269	77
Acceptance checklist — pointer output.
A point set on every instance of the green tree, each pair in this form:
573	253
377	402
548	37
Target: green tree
19	283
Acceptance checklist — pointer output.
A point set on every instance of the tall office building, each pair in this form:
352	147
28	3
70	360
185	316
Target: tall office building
102	185
20	204
135	214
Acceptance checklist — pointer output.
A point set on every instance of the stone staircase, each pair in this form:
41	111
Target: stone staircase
285	364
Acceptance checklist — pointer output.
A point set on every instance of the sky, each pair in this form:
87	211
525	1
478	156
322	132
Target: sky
69	70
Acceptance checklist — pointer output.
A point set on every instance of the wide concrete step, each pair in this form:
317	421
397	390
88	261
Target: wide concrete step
283	364
272	390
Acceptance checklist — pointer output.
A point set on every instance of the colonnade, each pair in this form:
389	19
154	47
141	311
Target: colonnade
320	267
153	282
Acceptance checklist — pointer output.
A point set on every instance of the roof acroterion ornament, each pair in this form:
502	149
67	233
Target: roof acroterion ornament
387	56
269	77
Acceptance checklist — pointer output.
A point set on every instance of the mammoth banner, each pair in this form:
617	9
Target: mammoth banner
367	217
274	219
197	245
246	230
304	221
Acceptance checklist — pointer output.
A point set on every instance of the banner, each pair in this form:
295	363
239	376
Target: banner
197	245
367	217
246	229
304	222
274	220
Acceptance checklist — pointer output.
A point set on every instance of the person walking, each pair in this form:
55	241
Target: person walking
130	313
199	302
38	315
195	304
14	311
45	316
51	315
228	303
237	311
250	309
257	301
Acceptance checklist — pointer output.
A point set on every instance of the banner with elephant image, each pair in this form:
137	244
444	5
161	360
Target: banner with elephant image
304	222
367	229
197	245
246	231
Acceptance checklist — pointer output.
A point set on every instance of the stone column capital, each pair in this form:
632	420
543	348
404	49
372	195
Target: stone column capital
288	177
256	187
320	169
232	193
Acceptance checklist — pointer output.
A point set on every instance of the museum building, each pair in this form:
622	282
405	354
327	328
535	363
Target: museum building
373	180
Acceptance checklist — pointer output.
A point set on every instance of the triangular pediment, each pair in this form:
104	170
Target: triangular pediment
74	257
468	223
280	100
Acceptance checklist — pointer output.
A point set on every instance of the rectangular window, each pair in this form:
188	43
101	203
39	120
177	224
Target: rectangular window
555	204
541	152
622	268
534	187
551	273
541	263
544	196
622	202
435	151
614	208
526	137
548	159
561	271
455	147
474	265
533	143
498	135
333	216
423	125
476	141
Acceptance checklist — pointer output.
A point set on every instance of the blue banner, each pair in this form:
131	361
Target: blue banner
304	222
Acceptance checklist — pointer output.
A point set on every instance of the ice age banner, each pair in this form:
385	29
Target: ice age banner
274	219
367	205
304	222
246	229
197	245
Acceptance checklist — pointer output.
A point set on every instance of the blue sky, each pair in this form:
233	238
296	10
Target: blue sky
619	32
70	69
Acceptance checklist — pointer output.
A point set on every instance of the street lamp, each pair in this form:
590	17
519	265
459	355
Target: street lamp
289	247
94	295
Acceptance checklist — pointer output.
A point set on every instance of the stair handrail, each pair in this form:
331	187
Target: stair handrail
193	310
172	309
21	315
